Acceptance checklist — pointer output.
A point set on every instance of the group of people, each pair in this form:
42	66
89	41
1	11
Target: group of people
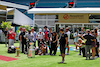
45	38
85	40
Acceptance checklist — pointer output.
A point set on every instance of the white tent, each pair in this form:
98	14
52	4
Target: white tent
21	19
64	10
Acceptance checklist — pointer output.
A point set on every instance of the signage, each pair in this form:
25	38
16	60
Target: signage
73	18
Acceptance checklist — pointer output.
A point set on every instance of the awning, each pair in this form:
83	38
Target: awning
2	11
21	19
14	5
64	10
10	9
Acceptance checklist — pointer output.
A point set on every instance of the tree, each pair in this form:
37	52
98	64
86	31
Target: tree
26	27
6	24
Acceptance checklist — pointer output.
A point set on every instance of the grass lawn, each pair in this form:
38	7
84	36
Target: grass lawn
72	60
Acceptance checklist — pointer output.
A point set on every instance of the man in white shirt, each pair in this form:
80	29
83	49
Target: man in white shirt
68	33
29	37
40	36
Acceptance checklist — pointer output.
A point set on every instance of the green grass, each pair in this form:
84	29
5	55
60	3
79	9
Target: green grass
72	60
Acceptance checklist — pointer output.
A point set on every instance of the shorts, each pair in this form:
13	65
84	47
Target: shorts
11	42
62	49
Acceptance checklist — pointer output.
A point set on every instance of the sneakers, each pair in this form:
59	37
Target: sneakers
96	57
87	58
79	54
67	54
53	54
59	54
92	58
84	56
62	62
48	53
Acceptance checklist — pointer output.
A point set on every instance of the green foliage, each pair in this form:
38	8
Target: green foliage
26	27
35	28
6	24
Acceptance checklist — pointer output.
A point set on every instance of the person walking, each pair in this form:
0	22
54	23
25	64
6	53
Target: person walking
63	44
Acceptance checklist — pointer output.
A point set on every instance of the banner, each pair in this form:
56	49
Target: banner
73	18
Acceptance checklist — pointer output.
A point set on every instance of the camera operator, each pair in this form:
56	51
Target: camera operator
42	48
29	37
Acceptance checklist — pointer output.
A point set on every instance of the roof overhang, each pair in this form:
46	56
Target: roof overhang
64	10
2	11
14	5
10	9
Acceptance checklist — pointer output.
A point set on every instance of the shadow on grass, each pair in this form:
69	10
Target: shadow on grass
61	63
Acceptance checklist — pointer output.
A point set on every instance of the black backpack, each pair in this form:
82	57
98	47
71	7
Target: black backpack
11	49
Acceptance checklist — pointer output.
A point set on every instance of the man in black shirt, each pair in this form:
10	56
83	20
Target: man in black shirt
63	44
88	43
23	40
6	36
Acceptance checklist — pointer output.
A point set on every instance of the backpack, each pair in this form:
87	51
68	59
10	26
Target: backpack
11	49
